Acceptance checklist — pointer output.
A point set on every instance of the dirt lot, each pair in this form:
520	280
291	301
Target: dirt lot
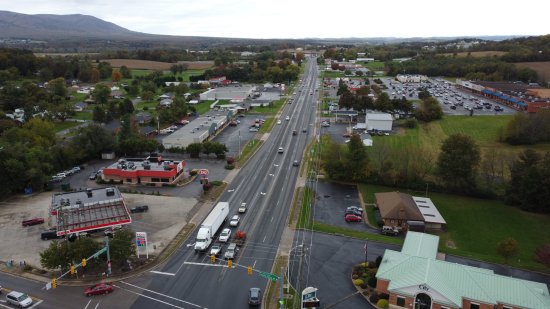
165	218
156	65
542	68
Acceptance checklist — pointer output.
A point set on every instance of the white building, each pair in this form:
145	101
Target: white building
379	121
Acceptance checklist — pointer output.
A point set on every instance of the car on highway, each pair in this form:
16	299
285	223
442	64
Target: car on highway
98	289
33	221
295	163
304	130
294	132
279	121
287	118
215	249
242	208
255	297
225	235
231	251
234	220
281	150
353	218
142	208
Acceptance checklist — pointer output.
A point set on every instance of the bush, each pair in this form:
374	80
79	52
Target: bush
354	276
194	172
364	286
382	303
374	298
372	282
358	270
217	183
384	296
230	160
357	282
411	123
229	166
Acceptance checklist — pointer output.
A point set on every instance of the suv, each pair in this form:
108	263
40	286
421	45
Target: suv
143	208
231	251
49	234
255	297
19	299
389	230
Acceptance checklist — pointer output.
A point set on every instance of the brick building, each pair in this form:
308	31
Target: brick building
415	278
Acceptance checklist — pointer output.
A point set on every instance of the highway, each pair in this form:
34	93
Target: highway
266	184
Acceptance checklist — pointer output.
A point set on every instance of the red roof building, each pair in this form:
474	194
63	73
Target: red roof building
144	171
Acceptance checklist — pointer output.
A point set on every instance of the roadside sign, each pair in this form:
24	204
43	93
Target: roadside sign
203	172
269	276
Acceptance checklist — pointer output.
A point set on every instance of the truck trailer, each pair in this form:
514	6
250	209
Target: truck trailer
211	225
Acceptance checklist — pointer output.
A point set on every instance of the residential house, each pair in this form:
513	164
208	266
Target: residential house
143	117
403	211
80	106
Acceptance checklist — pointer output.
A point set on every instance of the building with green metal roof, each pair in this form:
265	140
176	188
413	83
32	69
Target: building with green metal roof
415	278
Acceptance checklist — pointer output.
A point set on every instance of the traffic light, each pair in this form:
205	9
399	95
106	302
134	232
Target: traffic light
230	263
212	259
83	262
249	270
54	283
72	269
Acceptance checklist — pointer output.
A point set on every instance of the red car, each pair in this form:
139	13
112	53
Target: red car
353	218
33	221
98	289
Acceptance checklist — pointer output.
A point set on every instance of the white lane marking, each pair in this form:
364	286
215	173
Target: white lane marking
88	304
264	238
254	265
162	273
164	295
160	301
97	304
271	219
36	304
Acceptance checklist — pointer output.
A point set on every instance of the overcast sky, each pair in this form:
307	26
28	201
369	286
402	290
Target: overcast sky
307	18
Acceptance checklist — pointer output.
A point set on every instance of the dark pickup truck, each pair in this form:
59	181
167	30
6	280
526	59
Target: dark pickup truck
33	221
143	208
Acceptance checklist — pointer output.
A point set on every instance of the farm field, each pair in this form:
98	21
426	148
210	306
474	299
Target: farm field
479	54
542	68
475	226
156	65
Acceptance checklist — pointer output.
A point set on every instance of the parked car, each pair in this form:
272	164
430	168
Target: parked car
231	251
215	249
33	221
143	208
255	297
225	235
389	230
355	208
98	289
49	234
242	208
354	212
19	299
234	220
353	218
93	176
498	109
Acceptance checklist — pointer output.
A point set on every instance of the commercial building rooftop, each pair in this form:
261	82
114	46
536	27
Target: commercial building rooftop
88	210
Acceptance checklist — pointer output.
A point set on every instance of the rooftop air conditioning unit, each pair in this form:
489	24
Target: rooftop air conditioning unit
110	191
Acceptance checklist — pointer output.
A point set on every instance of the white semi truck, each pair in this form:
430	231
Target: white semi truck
211	225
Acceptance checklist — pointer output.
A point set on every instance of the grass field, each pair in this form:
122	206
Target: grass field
138	72
483	129
373	65
331	74
60	126
203	107
151	105
475	226
83	115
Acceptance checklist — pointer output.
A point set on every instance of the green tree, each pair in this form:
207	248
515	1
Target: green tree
194	149
55	255
121	245
507	248
357	159
126	73
98	114
101	93
57	87
91	141
429	110
458	161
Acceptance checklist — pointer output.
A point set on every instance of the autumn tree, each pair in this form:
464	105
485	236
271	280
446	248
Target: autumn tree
542	254
458	161
116	76
94	75
125	72
429	110
507	248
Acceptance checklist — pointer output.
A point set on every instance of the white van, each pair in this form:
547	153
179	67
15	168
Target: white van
19	299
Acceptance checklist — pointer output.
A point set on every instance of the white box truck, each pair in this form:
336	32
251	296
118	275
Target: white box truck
211	225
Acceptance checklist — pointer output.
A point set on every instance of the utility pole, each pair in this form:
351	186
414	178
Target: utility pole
108	256
282	282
